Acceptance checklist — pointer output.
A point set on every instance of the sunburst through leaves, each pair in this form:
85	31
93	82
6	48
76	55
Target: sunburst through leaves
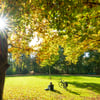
5	24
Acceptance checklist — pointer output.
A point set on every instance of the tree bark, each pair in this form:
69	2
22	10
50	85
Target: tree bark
3	61
2	78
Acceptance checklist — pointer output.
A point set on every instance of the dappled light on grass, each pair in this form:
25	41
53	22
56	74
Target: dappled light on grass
33	88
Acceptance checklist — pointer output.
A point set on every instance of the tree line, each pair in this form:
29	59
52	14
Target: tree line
87	64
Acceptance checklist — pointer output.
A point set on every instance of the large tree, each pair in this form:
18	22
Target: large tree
73	24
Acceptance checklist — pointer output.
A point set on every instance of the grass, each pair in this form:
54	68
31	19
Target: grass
33	88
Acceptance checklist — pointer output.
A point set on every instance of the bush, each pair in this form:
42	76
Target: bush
10	71
25	71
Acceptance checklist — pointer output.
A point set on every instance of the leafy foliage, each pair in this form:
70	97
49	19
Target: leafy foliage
72	24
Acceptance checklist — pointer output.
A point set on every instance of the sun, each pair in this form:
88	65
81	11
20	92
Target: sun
3	23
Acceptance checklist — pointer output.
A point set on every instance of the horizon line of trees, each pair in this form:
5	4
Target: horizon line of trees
86	64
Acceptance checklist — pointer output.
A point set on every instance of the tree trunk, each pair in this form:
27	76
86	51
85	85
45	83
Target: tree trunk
2	78
67	69
3	61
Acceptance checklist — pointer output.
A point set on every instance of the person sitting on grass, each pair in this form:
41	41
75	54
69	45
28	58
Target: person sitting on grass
50	87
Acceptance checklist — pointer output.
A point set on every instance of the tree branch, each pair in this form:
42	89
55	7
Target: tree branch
92	3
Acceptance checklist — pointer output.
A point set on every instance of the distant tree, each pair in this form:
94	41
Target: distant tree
93	62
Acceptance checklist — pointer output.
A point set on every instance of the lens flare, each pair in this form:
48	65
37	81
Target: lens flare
3	23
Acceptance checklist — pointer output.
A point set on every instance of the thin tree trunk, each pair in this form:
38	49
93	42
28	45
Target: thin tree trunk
67	70
49	72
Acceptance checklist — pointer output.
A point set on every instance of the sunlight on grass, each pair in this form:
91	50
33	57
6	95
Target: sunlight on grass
32	88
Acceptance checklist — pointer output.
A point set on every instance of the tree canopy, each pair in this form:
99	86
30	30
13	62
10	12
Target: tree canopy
72	24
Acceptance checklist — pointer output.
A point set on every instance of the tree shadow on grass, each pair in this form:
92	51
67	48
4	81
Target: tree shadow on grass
57	91
90	86
72	92
66	90
54	91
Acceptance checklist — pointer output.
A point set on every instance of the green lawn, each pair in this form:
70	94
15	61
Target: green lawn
32	88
